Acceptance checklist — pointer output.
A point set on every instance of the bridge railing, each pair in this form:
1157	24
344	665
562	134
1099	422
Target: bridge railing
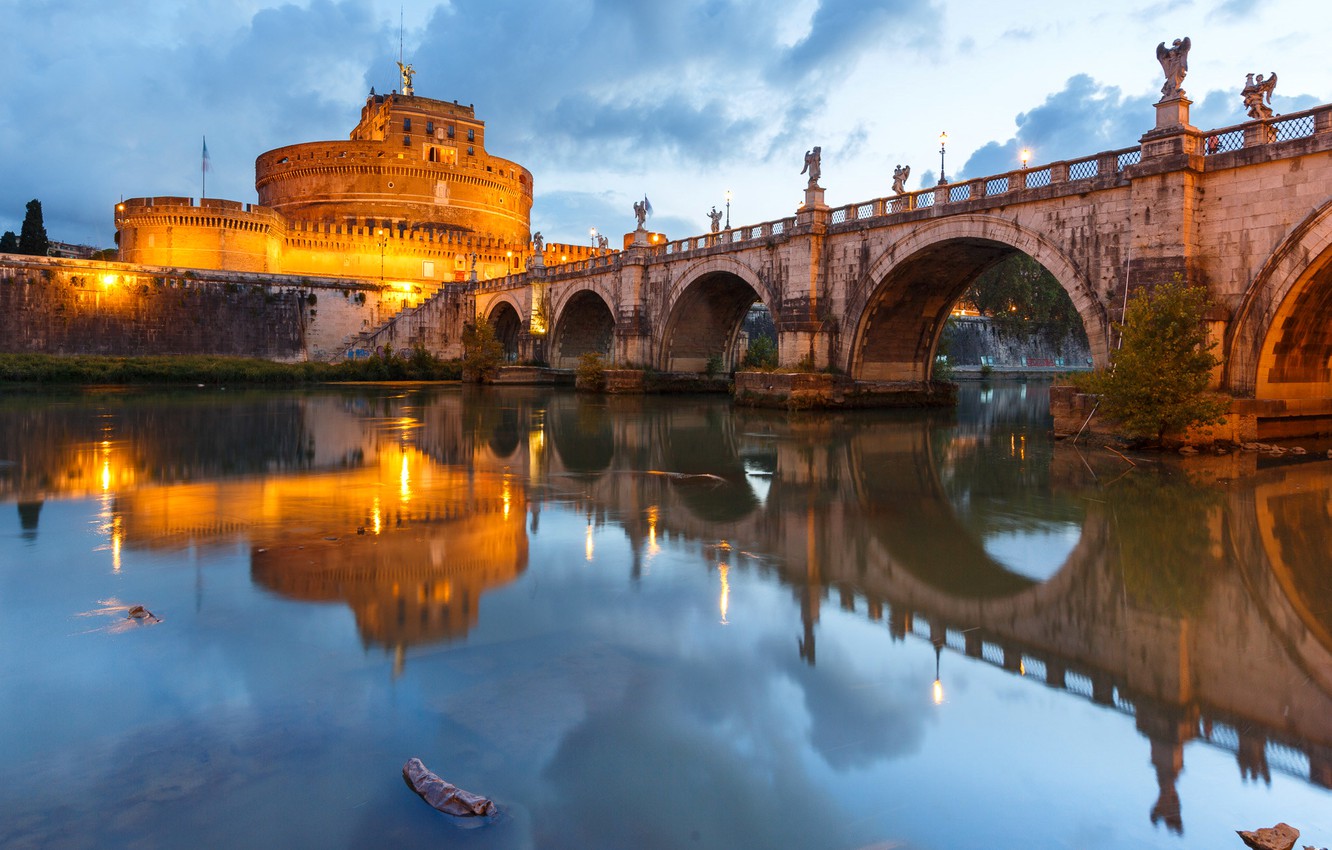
733	236
1278	128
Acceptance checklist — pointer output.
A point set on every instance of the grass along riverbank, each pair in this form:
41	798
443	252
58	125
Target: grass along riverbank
199	369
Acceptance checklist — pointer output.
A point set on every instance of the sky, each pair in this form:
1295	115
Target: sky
607	101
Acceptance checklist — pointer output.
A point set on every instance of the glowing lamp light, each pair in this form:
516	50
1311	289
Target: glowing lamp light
1026	156
108	280
937	692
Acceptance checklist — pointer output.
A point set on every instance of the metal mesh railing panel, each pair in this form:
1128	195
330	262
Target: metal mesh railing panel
959	193
1294	128
1038	178
1231	140
1127	158
996	185
1083	169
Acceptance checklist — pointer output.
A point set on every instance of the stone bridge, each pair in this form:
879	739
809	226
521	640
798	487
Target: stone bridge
865	288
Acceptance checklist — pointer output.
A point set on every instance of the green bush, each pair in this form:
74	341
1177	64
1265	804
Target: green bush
1157	382
714	365
591	371
483	353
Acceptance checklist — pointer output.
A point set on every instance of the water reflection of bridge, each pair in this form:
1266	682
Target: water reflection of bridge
1200	612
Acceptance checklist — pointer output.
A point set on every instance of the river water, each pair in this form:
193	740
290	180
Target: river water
647	622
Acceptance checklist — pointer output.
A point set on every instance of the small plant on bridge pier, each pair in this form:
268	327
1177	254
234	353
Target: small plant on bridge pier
590	374
483	353
1157	385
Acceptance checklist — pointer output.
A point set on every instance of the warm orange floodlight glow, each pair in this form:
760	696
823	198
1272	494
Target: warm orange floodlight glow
1026	156
937	693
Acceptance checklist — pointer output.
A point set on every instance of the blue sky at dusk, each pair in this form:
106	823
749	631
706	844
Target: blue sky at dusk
608	100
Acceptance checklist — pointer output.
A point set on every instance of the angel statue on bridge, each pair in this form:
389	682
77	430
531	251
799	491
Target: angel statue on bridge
900	175
538	242
716	217
1255	92
642	209
1175	63
814	165
603	243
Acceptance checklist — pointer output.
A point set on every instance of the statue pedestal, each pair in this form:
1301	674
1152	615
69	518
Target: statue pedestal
814	199
640	236
1173	112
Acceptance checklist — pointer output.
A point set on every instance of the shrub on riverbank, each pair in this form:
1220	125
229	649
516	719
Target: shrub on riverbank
199	369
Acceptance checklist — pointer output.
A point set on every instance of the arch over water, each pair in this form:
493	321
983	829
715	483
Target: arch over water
585	323
508	324
1280	345
707	303
900	309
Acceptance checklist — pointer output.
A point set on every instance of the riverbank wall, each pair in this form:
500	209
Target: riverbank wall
51	305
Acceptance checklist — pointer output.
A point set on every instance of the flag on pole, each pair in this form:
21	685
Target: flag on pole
205	154
647	205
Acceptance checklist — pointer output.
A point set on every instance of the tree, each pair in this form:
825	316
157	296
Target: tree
483	353
1019	292
32	236
9	243
1157	384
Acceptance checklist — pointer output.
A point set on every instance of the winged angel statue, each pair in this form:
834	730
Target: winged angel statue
1175	63
1257	95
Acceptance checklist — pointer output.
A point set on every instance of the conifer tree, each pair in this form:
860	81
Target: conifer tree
32	237
9	243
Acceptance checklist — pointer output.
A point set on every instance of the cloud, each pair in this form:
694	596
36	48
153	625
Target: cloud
1084	117
1233	10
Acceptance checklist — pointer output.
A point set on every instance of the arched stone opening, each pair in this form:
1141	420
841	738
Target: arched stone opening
706	323
1281	342
585	324
508	326
906	297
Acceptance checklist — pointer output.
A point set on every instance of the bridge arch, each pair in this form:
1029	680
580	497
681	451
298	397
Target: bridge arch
584	322
1279	345
705	306
507	320
901	305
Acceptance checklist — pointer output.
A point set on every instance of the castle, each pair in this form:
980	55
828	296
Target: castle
412	199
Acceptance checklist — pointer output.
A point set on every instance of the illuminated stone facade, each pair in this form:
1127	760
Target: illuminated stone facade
410	198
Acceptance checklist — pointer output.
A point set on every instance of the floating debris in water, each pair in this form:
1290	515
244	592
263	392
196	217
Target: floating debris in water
448	798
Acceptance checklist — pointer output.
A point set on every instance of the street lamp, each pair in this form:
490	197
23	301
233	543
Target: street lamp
728	209
1026	156
592	232
943	143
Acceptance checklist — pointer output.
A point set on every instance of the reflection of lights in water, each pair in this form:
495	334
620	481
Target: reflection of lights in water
937	692
376	516
106	475
506	496
117	539
536	449
653	514
1022	667
404	481
725	601
986	396
587	545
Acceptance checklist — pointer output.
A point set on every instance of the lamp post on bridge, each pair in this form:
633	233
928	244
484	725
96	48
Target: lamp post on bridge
943	143
592	233
728	209
1026	157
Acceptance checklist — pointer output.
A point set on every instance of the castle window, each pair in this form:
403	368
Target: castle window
406	141
471	134
430	128
471	151
406	125
450	131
